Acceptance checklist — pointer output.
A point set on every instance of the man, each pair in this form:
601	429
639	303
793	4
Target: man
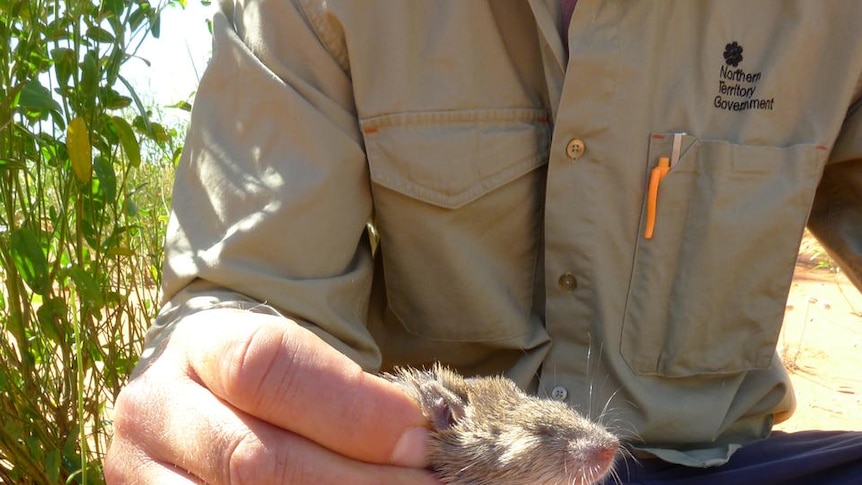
605	208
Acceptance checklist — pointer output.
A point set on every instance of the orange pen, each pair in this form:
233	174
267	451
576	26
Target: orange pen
658	173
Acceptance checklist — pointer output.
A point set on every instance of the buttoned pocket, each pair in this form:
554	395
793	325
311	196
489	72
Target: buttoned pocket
458	204
708	289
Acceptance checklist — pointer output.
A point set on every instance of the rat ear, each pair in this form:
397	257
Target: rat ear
441	394
441	406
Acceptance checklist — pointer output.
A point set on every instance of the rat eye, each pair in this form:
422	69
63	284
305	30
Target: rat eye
545	431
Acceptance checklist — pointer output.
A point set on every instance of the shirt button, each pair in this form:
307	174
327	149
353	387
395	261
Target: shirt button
559	393
575	149
568	282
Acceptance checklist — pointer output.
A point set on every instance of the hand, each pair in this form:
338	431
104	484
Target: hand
244	398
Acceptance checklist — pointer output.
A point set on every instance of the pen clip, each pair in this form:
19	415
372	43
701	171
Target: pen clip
677	145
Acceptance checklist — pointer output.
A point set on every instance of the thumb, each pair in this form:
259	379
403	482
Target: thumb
272	368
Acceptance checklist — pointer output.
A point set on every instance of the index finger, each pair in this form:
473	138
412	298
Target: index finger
274	369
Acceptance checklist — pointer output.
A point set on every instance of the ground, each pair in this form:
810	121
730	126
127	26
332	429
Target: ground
821	345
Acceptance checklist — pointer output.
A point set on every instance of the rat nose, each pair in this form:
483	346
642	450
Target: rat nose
598	454
594	457
603	455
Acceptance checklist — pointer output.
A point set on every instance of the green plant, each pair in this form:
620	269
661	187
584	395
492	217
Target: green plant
812	253
79	258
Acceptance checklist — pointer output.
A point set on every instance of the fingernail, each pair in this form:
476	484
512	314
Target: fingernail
410	449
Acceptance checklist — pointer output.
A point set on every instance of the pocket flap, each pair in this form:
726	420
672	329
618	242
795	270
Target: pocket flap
451	158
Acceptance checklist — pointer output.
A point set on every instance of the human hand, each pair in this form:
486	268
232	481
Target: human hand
241	397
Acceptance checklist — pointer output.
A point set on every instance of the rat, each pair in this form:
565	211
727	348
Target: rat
486	430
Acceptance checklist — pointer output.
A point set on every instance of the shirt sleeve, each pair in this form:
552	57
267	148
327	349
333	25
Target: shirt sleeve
272	195
836	217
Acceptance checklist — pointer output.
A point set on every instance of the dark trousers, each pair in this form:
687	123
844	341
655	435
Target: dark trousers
804	458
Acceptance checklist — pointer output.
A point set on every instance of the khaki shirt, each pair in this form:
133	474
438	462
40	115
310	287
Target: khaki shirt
509	176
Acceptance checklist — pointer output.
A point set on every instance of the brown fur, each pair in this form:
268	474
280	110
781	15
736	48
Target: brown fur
487	431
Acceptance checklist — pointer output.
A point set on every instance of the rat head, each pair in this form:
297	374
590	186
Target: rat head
487	431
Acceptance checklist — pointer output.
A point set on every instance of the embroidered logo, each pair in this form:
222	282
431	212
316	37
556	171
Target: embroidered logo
733	54
736	86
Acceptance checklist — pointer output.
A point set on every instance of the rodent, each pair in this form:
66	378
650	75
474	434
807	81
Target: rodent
485	430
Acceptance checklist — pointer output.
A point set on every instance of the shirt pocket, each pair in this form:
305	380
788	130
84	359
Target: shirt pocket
458	203
708	290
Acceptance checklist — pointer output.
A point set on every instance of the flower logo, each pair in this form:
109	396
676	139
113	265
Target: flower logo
733	54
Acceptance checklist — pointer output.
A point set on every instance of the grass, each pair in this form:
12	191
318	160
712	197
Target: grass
84	171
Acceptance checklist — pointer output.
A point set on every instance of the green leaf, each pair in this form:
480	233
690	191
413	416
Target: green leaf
88	289
93	350
115	239
136	17
58	30
100	35
131	208
94	214
112	8
71	457
113	63
107	178
59	120
37	59
90	77
6	164
175	159
33	445
120	251
130	144
64	64
52	465
51	316
183	105
49	148
35	96
111	99
155	23
158	133
30	261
